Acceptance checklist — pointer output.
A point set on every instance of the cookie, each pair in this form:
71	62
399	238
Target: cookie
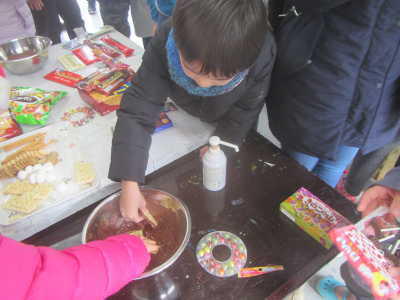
84	173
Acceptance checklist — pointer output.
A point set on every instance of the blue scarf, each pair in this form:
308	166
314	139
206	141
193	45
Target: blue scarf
180	78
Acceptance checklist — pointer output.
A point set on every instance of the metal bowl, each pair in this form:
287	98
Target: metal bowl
25	55
171	213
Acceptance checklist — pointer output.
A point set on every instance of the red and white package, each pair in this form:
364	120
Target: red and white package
121	47
369	261
64	77
101	47
86	54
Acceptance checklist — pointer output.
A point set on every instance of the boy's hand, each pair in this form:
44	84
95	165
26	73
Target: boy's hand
131	202
377	196
36	4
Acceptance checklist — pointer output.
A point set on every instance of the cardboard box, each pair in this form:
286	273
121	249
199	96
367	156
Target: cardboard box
313	216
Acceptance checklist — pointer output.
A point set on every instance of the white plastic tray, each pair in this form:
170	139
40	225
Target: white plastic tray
70	150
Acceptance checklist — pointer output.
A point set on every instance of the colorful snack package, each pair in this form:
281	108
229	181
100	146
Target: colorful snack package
64	77
312	215
121	47
86	55
71	63
368	261
8	127
100	47
31	106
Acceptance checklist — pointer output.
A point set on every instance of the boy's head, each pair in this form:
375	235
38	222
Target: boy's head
217	39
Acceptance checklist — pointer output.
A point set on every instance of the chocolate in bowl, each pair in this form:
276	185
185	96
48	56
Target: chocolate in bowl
172	232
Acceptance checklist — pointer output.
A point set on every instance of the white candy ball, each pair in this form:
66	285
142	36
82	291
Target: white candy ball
48	166
40	178
29	169
22	175
62	187
37	167
33	178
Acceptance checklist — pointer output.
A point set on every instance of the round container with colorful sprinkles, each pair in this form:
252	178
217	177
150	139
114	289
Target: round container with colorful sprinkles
79	116
235	249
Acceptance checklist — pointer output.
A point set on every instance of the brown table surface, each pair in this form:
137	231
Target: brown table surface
247	207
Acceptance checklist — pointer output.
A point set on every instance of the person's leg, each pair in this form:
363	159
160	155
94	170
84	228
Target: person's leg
330	171
146	42
141	18
47	22
307	161
364	167
71	14
115	13
92	7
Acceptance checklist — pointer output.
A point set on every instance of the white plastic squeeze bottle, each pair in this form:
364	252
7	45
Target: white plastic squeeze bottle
4	90
214	165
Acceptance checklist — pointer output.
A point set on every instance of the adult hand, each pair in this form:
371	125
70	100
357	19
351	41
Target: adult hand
377	196
131	202
36	4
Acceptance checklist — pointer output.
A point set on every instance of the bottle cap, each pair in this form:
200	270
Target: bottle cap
216	141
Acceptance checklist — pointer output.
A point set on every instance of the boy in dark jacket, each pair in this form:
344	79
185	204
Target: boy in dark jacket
215	61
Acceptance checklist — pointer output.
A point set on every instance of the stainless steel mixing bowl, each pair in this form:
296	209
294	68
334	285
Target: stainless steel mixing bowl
107	214
25	55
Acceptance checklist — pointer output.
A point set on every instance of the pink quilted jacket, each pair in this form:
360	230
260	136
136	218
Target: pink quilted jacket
86	272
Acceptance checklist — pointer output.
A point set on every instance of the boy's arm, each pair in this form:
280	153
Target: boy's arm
140	108
237	122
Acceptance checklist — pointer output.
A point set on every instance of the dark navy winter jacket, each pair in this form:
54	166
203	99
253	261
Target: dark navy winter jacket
337	75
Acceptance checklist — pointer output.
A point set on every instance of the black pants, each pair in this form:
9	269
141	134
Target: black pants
48	23
354	283
364	166
115	13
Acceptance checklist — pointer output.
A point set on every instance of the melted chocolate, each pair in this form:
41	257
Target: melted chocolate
169	233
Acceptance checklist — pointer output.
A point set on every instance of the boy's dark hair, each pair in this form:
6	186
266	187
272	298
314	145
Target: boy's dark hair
225	35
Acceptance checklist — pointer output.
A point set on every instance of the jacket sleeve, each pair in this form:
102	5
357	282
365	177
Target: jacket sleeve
236	123
140	108
392	179
92	271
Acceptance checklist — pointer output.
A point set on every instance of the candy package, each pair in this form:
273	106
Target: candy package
86	54
368	261
312	215
163	122
64	77
100	47
121	47
8	127
31	106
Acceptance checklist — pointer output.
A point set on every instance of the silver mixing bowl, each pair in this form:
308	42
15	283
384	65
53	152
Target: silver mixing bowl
25	55
108	211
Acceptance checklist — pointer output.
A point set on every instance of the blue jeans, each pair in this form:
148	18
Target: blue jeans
329	171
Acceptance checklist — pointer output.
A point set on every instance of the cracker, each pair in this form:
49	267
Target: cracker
84	172
26	197
18	187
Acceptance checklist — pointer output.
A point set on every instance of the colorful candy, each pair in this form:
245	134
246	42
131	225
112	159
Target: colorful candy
229	267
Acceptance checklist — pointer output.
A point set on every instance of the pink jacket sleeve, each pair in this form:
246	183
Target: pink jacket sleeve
91	271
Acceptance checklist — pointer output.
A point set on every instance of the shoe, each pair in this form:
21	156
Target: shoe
326	288
92	10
